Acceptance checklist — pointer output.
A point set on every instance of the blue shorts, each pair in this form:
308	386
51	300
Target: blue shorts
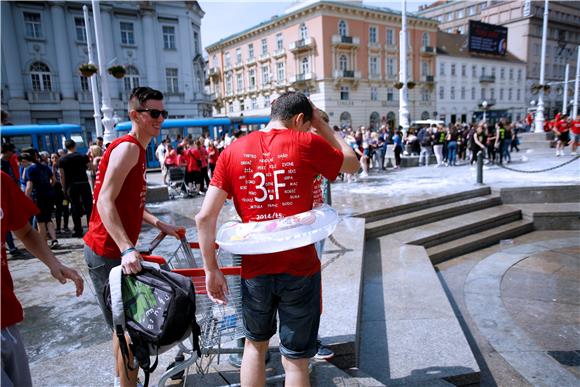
297	302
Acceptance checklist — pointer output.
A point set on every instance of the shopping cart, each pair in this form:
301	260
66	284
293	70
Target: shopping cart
220	324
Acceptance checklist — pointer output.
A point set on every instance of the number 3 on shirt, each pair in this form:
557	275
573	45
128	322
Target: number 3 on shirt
262	184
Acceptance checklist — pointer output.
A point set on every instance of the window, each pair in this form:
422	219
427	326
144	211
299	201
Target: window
84	83
483	93
305	65
172	81
424	68
279	42
372	34
252	79
519	95
169	37
250	51
471	10
390	94
40	77
482	71
450	16
196	42
374	94
511	74
303	32
453	69
264	46
239	83
463	93
501	94
228	59
374	65
425	95
231	107
493	72
281	72
238	55
343	63
127	33
391	67
265	75
425	39
492	96
390	37
463	70
474	71
32	25
510	94
254	103
344	93
131	79
342	28
519	74
459	14
473	93
502	73
452	92
229	83
80	30
441	92
441	68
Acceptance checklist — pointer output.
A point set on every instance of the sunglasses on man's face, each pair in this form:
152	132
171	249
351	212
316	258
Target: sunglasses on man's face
154	113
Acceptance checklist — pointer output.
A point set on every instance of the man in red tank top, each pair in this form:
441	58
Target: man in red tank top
119	205
270	174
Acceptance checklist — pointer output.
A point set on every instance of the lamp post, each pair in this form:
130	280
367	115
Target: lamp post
575	108
106	108
403	92
94	91
565	101
484	107
539	121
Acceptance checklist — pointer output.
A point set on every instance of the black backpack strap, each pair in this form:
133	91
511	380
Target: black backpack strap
195	333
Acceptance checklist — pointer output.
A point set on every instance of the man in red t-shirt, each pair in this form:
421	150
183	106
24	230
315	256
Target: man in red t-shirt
119	199
16	208
562	131
270	173
576	134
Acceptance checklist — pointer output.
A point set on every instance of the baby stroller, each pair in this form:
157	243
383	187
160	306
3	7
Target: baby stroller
176	182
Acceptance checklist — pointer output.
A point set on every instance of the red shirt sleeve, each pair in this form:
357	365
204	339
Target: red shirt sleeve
17	208
324	158
220	177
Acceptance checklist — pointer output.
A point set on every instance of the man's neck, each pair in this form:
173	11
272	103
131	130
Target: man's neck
275	124
139	136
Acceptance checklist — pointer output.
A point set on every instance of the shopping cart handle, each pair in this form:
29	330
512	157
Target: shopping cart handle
154	243
196	272
155	259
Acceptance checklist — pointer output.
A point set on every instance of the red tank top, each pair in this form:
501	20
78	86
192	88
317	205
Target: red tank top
130	204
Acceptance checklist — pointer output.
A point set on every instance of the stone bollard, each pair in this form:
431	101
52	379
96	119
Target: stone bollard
480	167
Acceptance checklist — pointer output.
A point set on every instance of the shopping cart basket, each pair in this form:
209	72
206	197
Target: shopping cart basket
220	324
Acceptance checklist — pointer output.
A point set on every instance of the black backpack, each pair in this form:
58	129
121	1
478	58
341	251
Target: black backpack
157	309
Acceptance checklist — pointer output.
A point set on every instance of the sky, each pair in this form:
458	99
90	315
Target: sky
225	18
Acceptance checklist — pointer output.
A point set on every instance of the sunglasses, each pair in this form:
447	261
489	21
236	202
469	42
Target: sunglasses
154	113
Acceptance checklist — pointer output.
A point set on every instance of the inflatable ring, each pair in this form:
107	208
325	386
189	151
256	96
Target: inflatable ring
277	235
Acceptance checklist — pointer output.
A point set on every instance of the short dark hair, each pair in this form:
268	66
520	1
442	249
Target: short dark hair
140	95
70	144
99	138
8	147
289	104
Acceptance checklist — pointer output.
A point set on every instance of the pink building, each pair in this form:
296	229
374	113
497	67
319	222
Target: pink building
344	55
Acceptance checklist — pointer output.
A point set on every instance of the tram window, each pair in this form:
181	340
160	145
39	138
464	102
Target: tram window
195	132
78	138
20	142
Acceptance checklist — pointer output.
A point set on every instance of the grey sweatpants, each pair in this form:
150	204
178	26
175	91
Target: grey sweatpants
15	370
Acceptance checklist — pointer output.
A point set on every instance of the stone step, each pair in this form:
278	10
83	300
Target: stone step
433	234
467	244
406	208
429	215
409	332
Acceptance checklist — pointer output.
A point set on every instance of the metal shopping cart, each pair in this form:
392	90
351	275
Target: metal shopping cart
220	324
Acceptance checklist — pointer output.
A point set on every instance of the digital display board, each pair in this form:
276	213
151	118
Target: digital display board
487	38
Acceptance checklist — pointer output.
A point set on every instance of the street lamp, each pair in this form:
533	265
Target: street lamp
484	107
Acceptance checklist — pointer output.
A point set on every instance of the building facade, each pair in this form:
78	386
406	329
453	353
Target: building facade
344	55
524	22
159	43
467	79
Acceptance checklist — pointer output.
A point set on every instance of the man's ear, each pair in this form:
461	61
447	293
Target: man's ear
298	120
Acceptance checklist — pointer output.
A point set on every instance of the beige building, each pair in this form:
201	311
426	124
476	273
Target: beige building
344	55
524	22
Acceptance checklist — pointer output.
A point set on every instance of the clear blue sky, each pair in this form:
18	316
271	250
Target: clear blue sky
225	18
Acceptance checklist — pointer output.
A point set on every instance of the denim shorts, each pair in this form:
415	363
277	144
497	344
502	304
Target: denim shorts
297	302
99	269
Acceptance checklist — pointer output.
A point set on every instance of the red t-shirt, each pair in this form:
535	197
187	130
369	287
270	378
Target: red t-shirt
576	126
203	156
130	204
561	126
213	156
16	208
192	164
317	194
270	175
15	168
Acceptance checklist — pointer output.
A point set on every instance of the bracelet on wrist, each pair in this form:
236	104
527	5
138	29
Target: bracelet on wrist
128	251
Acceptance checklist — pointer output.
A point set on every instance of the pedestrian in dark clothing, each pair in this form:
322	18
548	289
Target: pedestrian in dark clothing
75	184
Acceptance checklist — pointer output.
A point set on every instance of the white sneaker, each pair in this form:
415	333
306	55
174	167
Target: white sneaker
363	175
573	153
557	153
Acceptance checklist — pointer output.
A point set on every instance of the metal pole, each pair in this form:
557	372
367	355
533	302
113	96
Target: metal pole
480	167
403	93
539	121
106	108
94	90
565	101
484	116
575	108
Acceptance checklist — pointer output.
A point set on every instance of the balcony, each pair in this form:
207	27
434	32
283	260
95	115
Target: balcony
214	72
428	78
428	50
374	46
487	78
347	74
391	47
228	67
345	41
216	96
374	77
239	65
264	57
251	61
303	78
84	96
302	45
43	96
279	53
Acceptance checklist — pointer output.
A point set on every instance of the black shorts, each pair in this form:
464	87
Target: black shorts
189	177
46	207
564	137
295	299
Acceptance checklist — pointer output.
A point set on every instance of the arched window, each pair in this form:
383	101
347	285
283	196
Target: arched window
345	120
391	119
425	115
305	65
342	28
131	79
343	63
374	120
425	40
40	77
303	31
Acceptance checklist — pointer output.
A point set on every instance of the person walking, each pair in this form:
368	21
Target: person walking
425	140
61	204
452	137
285	284
438	142
75	184
478	141
120	191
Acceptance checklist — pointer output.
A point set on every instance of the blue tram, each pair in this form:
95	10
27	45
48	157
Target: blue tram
50	137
